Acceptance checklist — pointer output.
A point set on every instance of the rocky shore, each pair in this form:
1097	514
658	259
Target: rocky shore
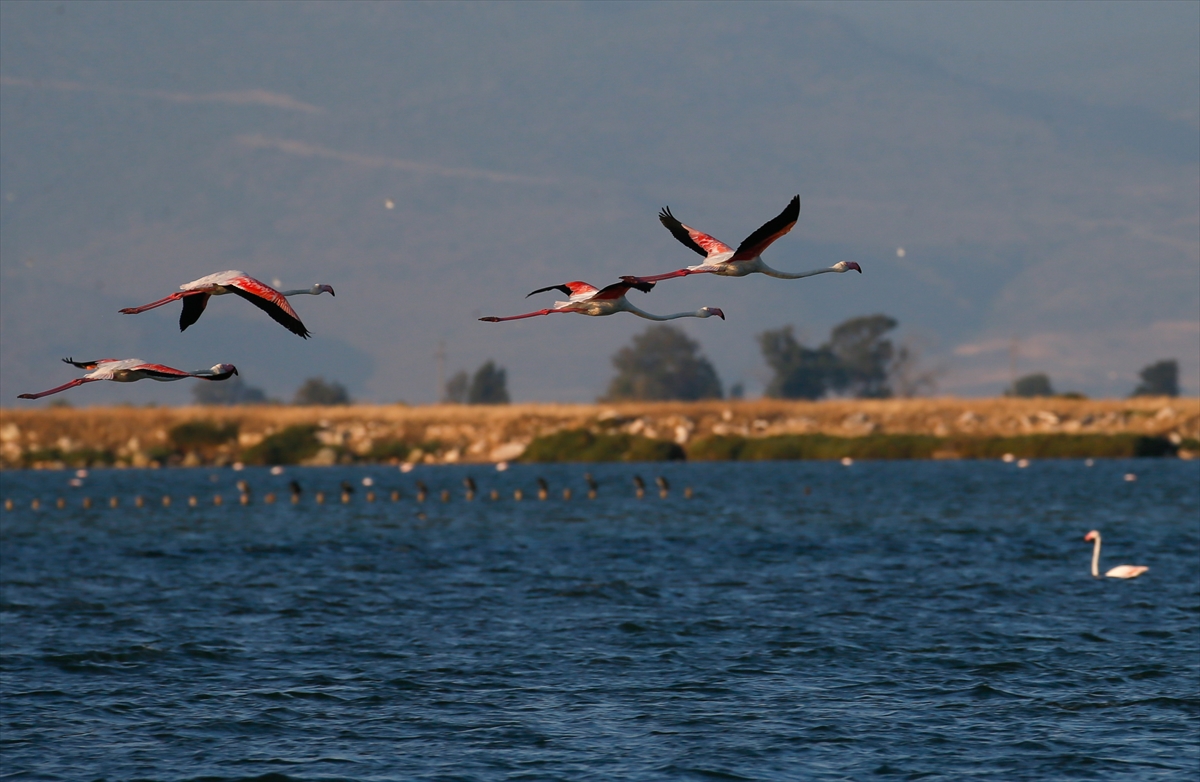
149	437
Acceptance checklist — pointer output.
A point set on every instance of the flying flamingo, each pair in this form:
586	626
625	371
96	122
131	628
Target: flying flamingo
130	369
195	295
720	258
1120	571
589	300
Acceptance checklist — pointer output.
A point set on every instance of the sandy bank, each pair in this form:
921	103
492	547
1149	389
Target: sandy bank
457	433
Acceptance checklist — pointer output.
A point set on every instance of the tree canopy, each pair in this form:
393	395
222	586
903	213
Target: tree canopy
233	391
1159	379
319	391
1037	384
662	363
857	360
489	386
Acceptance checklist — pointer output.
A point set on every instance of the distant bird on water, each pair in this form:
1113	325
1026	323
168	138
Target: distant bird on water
195	295
587	299
130	369
720	258
1120	571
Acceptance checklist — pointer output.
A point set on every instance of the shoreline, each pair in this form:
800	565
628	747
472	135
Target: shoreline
55	438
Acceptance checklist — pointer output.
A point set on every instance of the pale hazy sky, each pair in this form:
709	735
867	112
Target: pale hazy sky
1040	163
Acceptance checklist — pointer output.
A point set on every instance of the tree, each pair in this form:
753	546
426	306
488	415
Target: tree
318	391
1031	385
489	386
1159	379
456	389
857	360
800	372
662	363
233	391
863	356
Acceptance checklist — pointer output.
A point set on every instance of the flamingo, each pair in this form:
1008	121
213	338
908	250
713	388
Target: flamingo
1120	571
195	295
128	370
720	258
590	300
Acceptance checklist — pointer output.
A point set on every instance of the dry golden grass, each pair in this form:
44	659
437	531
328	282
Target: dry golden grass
482	433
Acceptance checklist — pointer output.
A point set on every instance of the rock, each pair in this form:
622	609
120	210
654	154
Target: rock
507	452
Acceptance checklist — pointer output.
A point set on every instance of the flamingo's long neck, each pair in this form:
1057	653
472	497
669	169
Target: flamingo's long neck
1096	558
767	270
650	316
299	291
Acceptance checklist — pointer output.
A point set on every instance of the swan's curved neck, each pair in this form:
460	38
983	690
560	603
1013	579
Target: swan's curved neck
650	316
767	270
1096	558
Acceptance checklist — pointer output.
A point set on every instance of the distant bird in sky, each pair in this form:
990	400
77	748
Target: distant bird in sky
130	369
587	299
195	295
1120	571
720	258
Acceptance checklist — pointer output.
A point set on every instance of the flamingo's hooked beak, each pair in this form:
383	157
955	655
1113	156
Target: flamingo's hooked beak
1089	537
717	311
328	289
854	266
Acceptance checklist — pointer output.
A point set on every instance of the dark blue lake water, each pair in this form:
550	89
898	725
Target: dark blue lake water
931	620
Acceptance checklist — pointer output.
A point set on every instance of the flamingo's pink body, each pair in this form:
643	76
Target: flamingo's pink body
128	370
195	295
1120	571
586	299
723	260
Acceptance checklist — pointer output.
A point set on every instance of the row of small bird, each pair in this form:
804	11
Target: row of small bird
1120	571
421	494
583	298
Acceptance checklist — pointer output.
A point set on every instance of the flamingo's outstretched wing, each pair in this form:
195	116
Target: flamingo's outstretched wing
269	301
697	241
619	289
574	289
160	372
193	307
760	240
88	364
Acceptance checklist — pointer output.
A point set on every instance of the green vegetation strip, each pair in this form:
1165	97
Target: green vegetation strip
581	445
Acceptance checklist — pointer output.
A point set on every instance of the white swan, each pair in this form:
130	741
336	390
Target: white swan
1120	571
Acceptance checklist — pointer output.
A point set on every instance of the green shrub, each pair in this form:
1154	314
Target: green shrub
718	448
83	457
645	449
193	435
1065	446
388	450
581	445
912	446
289	446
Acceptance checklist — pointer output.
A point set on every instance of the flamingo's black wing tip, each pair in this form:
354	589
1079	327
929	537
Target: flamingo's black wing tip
562	288
491	319
637	283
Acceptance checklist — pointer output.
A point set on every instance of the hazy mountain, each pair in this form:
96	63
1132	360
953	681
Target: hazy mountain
144	145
